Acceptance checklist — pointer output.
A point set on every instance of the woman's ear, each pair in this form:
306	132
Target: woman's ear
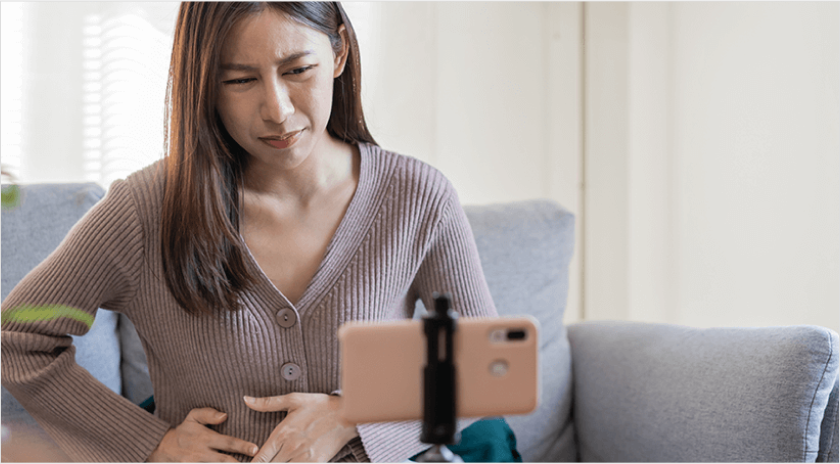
341	58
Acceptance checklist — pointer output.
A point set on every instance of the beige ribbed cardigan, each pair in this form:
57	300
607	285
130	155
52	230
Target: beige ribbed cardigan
404	236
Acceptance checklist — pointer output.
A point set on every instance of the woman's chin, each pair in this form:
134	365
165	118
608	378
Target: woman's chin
287	159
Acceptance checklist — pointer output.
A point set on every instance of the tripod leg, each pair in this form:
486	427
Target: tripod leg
439	453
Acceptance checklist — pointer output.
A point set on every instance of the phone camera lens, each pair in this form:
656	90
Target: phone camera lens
516	335
497	336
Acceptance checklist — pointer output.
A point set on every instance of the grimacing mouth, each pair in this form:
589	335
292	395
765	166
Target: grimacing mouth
282	137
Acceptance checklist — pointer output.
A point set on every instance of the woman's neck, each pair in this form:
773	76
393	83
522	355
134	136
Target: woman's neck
330	164
324	178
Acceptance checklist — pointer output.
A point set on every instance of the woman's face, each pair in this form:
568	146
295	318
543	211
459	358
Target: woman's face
276	86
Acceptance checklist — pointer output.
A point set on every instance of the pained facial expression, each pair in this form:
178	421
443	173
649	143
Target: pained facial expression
276	87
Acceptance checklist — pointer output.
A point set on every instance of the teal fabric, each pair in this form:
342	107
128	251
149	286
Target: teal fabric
149	404
488	440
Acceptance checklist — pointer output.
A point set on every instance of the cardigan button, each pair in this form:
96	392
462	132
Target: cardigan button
290	371
286	318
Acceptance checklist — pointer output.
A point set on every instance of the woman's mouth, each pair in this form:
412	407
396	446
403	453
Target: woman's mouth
284	142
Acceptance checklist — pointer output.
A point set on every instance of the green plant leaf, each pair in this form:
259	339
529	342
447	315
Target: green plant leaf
29	313
10	197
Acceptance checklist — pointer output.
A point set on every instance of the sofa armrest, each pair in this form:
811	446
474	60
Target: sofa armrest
656	392
830	432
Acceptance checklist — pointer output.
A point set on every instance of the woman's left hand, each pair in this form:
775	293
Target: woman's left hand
313	430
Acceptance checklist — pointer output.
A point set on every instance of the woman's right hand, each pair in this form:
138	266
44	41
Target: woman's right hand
193	442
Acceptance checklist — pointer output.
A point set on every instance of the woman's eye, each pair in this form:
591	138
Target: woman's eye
238	81
300	70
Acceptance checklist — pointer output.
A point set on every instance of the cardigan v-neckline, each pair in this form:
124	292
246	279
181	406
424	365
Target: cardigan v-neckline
341	247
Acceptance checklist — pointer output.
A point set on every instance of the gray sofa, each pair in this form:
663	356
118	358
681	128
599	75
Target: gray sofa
610	391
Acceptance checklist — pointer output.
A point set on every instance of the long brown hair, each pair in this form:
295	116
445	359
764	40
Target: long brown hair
204	256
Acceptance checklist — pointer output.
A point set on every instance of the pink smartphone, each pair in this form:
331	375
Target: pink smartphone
382	368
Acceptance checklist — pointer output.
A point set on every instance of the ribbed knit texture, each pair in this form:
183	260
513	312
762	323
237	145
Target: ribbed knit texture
403	237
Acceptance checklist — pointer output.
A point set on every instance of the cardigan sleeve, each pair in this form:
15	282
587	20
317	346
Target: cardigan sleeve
450	264
96	265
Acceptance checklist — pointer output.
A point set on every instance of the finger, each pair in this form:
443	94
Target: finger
222	442
272	403
269	451
278	458
206	416
219	457
307	456
282	456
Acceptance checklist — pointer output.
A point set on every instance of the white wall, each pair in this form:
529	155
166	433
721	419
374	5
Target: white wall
757	229
50	102
713	163
697	143
91	79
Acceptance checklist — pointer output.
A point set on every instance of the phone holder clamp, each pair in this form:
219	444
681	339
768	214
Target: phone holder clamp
439	389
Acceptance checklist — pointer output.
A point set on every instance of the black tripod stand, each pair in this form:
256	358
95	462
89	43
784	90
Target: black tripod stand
439	389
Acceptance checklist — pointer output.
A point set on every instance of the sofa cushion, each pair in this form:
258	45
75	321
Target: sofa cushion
30	232
659	392
137	385
525	250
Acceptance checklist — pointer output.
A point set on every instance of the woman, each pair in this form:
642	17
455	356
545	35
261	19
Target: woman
273	219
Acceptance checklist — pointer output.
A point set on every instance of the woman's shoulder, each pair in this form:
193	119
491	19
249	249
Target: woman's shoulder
146	188
147	177
407	173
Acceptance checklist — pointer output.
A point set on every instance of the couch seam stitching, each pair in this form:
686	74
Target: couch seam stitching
814	398
828	455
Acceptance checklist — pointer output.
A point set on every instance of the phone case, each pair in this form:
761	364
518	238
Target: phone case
382	368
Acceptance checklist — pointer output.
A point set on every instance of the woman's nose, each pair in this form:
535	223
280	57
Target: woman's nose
277	105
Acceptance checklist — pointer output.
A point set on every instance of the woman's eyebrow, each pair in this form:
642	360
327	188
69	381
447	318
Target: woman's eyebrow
280	62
